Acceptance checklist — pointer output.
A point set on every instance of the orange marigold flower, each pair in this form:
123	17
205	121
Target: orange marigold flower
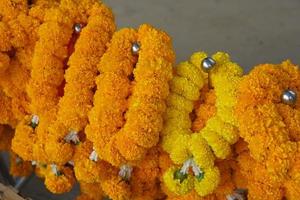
90	191
19	167
59	179
6	135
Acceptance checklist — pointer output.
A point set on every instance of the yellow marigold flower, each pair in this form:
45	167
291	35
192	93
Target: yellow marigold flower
180	148
178	186
209	182
201	151
179	102
220	147
184	87
191	72
216	132
227	131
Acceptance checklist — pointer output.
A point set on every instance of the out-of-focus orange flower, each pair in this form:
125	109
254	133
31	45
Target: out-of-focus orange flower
19	167
59	179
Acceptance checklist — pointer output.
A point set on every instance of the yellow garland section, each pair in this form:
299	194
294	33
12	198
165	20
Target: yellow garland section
220	130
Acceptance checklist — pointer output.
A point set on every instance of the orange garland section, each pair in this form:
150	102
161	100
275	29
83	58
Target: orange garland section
80	81
127	118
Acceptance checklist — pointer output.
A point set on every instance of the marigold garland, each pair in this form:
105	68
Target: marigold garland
118	95
114	90
6	114
141	183
19	41
270	127
49	51
194	150
87	170
80	83
25	66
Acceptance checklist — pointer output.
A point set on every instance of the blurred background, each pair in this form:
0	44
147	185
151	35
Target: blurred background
253	32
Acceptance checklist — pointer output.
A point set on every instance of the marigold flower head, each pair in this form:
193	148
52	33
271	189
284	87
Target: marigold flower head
19	167
60	179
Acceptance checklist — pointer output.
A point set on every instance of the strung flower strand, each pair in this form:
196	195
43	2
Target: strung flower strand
80	81
115	87
193	150
269	117
133	115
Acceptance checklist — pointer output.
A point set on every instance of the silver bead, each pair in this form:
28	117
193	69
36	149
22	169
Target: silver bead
289	97
135	48
77	27
208	64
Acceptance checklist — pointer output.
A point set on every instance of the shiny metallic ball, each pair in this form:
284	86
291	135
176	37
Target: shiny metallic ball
289	97
135	48
77	28
208	64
